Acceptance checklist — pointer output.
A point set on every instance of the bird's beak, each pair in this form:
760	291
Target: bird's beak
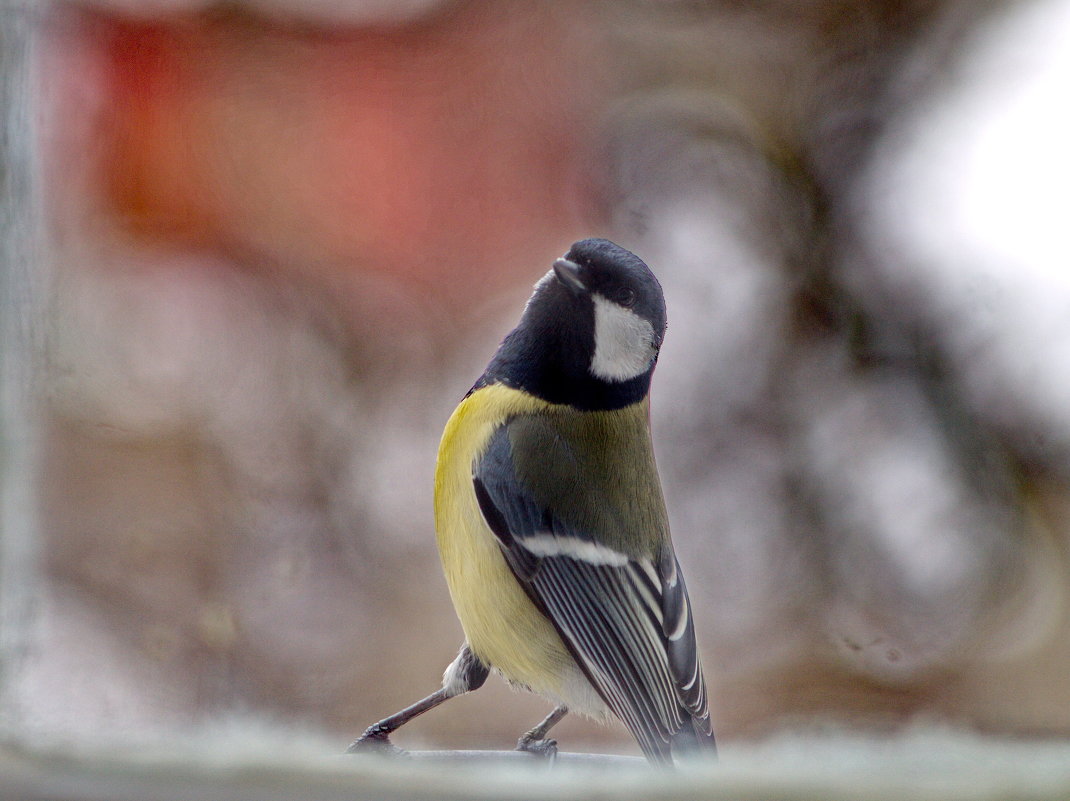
568	273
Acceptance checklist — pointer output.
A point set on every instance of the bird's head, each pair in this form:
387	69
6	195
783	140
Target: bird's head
613	301
591	333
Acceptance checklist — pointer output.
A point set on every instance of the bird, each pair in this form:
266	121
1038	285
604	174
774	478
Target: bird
551	522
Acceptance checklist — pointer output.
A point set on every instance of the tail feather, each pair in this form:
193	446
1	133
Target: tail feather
694	739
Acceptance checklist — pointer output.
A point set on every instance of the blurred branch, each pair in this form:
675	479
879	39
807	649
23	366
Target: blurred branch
943	766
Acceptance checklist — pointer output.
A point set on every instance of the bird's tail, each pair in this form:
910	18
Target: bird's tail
693	740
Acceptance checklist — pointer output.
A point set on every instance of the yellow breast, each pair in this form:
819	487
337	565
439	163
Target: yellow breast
502	625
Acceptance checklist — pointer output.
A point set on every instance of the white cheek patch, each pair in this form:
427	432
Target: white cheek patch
623	342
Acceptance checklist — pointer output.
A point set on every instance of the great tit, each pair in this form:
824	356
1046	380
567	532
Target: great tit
551	523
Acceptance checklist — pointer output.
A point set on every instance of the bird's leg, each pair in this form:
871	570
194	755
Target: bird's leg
465	673
377	736
535	742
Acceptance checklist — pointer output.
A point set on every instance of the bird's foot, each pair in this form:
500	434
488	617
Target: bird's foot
546	749
374	741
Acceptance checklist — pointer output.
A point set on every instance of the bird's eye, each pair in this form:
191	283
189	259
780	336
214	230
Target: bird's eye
625	296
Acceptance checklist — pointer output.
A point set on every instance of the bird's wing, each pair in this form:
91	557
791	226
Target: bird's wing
625	619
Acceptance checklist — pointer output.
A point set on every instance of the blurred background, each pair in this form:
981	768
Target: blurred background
271	244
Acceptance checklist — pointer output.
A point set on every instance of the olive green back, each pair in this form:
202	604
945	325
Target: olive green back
595	472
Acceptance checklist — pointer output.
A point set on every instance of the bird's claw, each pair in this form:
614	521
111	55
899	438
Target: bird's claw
547	749
374	741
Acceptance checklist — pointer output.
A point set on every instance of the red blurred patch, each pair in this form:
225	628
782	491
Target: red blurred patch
444	152
149	126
